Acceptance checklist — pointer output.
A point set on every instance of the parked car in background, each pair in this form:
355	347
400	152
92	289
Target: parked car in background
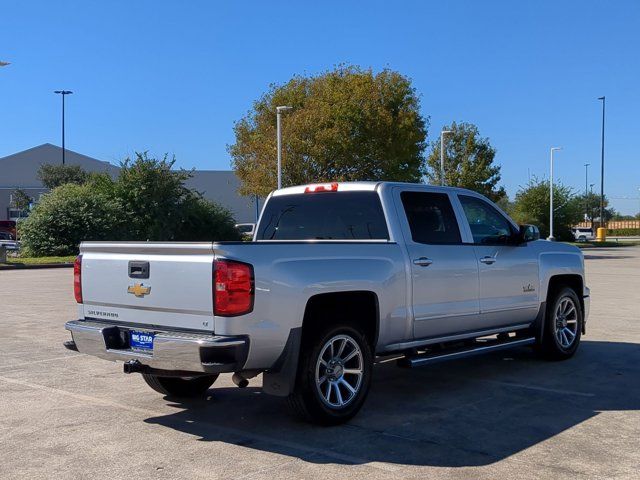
8	226
8	241
583	234
338	276
246	230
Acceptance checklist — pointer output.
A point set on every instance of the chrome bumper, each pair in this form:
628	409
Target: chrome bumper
172	351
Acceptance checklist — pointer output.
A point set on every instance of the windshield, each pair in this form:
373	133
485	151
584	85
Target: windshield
324	216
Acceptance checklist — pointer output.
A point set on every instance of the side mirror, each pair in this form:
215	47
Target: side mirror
528	233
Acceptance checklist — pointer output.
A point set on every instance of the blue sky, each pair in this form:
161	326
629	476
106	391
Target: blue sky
174	76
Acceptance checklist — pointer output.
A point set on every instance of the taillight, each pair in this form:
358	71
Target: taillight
77	278
232	288
322	187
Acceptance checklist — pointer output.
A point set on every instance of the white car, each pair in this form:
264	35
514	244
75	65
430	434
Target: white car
246	230
583	234
7	241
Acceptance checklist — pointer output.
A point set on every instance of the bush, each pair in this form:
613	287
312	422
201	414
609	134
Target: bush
65	217
623	232
205	221
148	201
53	176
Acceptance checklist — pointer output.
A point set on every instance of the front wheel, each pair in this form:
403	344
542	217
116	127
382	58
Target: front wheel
334	376
179	386
563	325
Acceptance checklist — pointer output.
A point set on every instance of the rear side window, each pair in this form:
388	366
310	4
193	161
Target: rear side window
431	218
324	216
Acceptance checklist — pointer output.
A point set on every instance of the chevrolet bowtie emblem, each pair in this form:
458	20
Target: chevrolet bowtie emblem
139	290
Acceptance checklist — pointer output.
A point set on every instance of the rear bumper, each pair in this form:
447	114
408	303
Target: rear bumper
172	351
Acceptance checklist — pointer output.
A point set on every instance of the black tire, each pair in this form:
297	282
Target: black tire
307	399
554	345
178	386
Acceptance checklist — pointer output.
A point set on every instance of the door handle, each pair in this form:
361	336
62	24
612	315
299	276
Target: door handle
488	260
423	261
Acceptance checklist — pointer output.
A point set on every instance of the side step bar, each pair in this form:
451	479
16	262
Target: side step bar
481	347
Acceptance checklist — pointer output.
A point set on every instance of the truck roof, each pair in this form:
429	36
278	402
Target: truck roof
358	186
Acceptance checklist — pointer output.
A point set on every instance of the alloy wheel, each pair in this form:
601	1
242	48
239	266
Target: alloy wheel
339	371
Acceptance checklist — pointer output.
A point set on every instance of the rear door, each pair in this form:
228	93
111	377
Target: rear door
508	272
444	272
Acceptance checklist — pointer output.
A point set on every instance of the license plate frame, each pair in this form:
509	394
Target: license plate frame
141	341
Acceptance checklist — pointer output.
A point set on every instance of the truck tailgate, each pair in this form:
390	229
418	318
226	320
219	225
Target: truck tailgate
148	284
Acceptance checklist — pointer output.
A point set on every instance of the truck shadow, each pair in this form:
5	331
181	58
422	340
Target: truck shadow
470	412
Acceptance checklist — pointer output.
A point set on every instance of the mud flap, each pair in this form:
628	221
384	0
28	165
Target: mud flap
281	378
538	323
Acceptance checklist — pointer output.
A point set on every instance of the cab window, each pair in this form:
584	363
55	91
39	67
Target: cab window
488	226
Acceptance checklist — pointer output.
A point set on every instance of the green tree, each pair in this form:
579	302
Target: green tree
157	205
20	200
65	217
346	124
590	204
469	161
531	205
53	176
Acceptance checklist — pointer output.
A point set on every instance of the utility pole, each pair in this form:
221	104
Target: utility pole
64	93
602	168
551	237
591	185
279	110
586	191
442	134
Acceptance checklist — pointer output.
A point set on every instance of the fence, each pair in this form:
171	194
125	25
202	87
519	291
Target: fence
615	224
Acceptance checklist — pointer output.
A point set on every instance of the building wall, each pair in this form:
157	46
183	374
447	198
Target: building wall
5	198
20	170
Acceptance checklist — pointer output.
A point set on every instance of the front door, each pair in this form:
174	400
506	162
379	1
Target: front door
444	272
508	272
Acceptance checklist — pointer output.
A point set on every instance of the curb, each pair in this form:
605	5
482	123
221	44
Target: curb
22	266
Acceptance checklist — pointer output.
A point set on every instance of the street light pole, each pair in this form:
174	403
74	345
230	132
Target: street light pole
279	111
64	93
591	185
602	168
586	191
442	134
551	237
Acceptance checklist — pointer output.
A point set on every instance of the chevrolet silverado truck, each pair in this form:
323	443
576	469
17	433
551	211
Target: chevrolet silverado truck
337	277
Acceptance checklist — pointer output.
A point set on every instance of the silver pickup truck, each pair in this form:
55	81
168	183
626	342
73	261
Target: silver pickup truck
337	277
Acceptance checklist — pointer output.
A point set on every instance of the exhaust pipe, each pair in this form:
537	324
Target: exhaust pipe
133	366
241	379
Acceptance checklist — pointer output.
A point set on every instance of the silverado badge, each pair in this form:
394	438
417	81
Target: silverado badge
139	290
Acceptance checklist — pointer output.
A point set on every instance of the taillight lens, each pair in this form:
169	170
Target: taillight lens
232	288
77	278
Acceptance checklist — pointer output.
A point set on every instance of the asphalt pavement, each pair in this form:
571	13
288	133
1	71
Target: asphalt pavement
507	415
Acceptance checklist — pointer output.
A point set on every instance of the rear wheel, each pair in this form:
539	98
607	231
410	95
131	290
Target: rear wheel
180	386
563	324
334	375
